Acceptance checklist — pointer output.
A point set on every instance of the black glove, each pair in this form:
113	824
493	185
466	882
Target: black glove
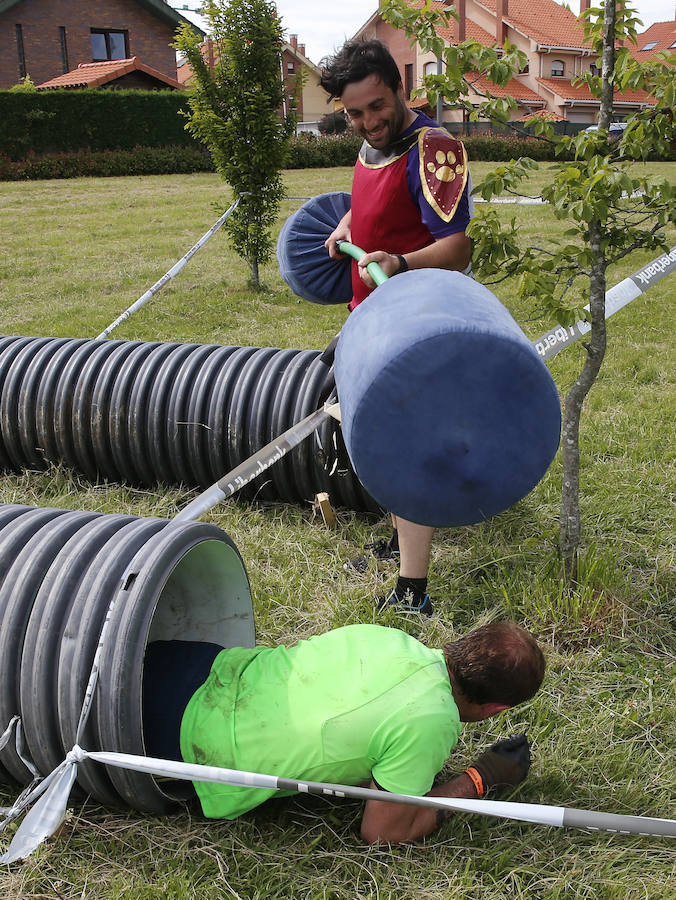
505	763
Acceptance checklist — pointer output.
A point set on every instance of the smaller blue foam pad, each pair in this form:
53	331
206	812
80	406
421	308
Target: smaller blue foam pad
448	413
304	261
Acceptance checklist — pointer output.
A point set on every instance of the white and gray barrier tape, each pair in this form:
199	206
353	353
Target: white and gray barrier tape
174	270
617	297
52	799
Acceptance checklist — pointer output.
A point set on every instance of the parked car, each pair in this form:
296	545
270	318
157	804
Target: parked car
615	130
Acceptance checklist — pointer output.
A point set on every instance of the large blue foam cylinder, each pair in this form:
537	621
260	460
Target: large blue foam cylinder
448	413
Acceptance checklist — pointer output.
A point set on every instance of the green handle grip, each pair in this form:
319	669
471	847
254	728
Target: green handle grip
373	268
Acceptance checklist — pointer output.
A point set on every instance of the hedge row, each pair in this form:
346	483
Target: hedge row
305	152
64	121
310	152
82	163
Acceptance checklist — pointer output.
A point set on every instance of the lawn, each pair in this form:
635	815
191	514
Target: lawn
603	728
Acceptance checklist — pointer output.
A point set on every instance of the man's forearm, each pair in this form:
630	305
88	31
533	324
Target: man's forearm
399	824
342	232
452	252
461	787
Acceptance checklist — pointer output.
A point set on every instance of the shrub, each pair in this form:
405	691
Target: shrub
105	163
333	123
307	151
494	147
97	119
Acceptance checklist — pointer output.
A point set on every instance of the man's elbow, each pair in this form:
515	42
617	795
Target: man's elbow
370	835
463	255
388	835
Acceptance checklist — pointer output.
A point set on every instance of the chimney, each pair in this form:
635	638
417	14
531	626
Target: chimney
301	49
501	10
584	5
462	20
293	40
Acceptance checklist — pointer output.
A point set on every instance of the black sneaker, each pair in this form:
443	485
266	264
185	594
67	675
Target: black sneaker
380	549
408	605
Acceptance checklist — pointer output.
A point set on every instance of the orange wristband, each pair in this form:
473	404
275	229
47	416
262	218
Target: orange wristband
477	780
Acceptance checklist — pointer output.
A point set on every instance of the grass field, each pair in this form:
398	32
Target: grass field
603	728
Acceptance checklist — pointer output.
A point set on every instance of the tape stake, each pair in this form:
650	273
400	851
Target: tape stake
617	297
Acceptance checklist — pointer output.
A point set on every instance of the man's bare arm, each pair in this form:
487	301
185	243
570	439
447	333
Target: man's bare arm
396	823
342	232
452	252
505	763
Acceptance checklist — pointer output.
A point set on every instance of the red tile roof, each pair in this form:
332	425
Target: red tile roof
568	91
543	20
98	73
473	31
664	33
418	103
513	88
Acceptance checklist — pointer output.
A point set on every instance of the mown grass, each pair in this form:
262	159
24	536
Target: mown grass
77	253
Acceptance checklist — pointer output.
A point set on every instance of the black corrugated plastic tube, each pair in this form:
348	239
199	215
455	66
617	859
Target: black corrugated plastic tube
149	413
59	572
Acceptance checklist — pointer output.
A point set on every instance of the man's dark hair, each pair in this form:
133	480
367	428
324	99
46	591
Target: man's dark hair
496	663
355	61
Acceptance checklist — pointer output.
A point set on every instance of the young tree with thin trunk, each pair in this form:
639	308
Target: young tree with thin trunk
235	110
611	211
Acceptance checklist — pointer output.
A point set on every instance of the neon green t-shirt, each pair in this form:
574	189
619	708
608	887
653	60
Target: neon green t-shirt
358	702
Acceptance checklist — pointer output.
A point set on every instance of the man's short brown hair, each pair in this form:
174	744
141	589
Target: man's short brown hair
355	61
496	663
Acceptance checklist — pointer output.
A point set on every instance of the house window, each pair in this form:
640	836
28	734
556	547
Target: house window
525	70
650	45
64	49
108	44
558	68
19	49
594	69
290	68
408	79
430	68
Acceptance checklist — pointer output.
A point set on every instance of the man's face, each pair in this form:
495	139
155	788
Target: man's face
376	112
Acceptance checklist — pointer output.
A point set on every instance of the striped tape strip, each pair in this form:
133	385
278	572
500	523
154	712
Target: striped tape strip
617	297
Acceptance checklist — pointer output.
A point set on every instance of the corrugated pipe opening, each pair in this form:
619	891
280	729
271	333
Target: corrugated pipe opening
175	587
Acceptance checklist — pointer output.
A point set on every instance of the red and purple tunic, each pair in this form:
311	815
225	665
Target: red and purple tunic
406	199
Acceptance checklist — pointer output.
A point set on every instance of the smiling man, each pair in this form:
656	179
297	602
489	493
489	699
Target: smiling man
409	210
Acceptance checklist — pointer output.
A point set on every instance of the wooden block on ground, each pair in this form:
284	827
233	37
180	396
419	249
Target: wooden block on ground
322	504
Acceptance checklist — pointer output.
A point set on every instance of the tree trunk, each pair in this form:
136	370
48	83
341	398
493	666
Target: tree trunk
570	524
254	276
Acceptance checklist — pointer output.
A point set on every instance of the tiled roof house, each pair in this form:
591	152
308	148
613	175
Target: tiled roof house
123	73
548	33
660	36
47	39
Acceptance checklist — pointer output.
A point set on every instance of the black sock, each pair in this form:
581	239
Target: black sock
393	543
416	587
